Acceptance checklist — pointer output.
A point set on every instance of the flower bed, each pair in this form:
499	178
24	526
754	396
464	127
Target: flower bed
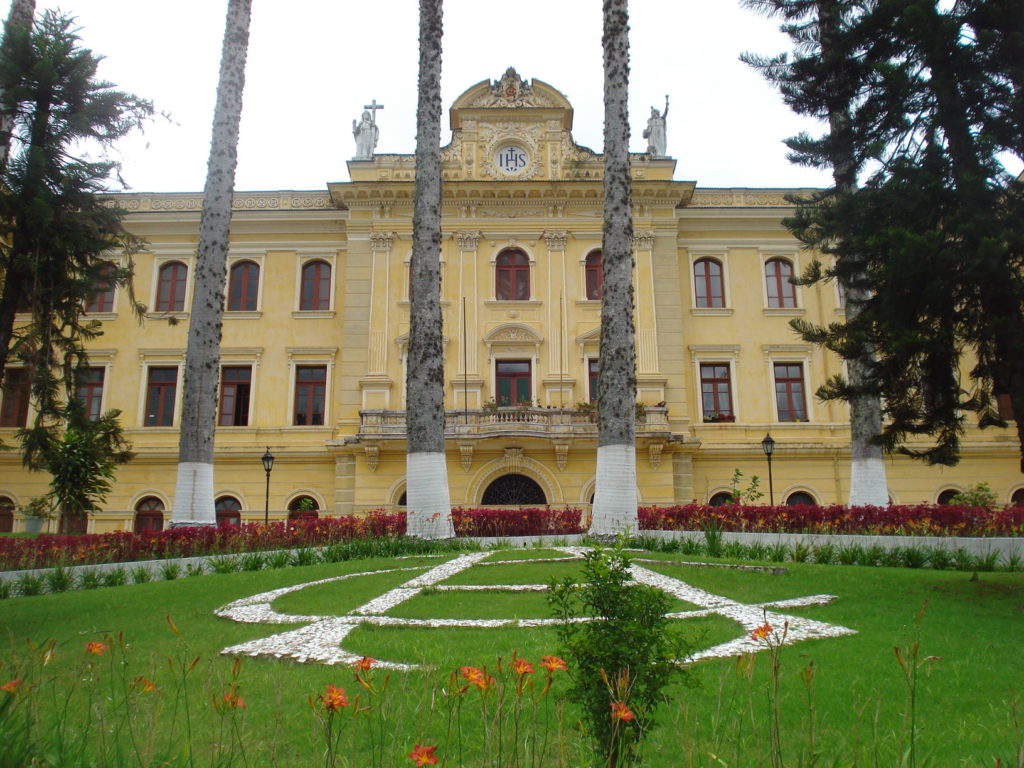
896	520
526	521
122	546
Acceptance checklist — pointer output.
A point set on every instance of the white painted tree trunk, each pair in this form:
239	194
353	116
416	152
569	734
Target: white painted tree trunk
428	504
615	493
867	467
193	494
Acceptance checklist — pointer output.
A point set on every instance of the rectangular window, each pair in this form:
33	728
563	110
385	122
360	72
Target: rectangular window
310	394
235	384
514	382
789	392
715	391
103	298
90	390
160	392
593	366
15	397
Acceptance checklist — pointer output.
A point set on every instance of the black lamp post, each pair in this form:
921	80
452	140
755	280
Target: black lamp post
768	446
268	465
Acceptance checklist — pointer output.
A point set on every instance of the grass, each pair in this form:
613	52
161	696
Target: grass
964	706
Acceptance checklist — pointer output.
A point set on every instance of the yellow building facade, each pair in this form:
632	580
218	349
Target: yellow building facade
315	334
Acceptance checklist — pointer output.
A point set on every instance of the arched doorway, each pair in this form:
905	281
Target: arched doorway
514	490
228	510
303	508
149	515
6	514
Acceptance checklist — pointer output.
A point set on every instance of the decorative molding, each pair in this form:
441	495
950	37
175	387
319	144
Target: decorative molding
654	454
513	459
382	241
468	240
561	455
466	455
511	91
643	240
555	239
372	457
510	212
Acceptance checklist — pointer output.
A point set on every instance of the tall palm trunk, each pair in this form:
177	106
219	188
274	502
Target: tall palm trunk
428	503
867	467
193	493
615	495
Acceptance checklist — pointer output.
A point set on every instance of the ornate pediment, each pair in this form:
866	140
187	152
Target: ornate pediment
512	92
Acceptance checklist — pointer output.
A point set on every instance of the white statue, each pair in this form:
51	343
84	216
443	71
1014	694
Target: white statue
366	133
655	132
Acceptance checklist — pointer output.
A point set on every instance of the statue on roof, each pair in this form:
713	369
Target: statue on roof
366	132
655	132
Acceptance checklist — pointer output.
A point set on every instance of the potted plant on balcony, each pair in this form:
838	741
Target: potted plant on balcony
587	407
719	418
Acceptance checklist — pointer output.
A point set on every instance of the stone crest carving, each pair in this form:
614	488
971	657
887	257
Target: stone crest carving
643	240
555	239
511	91
495	135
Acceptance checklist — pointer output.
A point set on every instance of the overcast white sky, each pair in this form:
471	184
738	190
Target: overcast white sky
313	64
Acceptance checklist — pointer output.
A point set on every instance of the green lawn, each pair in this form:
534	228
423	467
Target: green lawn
964	706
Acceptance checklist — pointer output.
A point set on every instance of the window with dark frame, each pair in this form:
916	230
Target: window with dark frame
170	291
789	392
161	389
228	510
235	386
513	382
149	515
512	276
708	286
716	389
102	300
243	287
593	377
90	390
14	398
594	273
781	292
315	294
310	395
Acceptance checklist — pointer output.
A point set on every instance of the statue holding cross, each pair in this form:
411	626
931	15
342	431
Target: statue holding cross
366	131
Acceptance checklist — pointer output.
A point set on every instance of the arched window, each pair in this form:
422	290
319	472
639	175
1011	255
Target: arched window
1017	499
229	510
6	514
316	287
303	508
515	490
170	290
149	515
781	292
403	499
946	497
512	276
708	287
594	273
102	300
243	287
800	499
720	499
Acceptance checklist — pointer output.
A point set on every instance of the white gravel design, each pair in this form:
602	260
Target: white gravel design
320	640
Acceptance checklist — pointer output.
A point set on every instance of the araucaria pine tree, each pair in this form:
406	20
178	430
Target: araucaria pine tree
59	240
428	503
193	492
933	236
615	493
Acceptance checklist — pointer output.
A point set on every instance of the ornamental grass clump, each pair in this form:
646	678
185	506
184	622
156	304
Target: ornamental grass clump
621	662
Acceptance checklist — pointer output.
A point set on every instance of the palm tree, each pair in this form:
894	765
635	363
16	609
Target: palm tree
427	501
193	493
615	494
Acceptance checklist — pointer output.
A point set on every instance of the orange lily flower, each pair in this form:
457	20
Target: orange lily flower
11	686
96	647
553	663
621	712
333	698
424	755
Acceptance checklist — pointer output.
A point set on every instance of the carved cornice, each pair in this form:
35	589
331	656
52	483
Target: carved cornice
382	241
555	239
643	240
263	201
468	240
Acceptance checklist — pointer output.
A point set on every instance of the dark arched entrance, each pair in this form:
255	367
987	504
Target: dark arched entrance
513	489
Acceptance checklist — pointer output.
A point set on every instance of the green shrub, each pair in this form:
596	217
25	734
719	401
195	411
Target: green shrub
989	561
89	579
141	574
304	556
824	554
223	563
170	570
713	540
252	561
114	577
849	554
279	559
778	552
979	495
801	552
940	559
625	660
5	589
914	557
29	585
195	569
963	560
60	579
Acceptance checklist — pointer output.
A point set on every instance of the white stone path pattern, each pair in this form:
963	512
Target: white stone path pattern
320	641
